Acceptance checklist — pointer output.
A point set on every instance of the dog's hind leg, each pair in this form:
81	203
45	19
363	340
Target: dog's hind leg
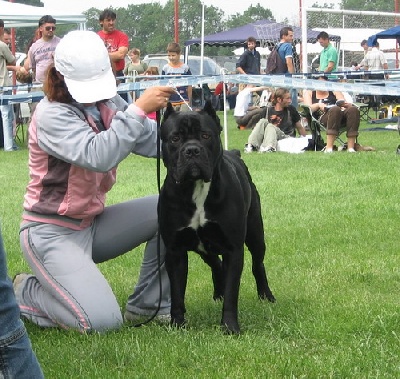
217	274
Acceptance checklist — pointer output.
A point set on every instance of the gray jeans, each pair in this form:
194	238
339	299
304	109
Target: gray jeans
265	134
68	289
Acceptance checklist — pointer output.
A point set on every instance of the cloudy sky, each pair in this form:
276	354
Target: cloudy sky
279	9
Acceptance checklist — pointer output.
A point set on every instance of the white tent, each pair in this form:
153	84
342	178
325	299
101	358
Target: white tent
18	15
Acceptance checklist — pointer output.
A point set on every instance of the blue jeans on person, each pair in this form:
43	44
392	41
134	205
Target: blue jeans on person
7	115
17	360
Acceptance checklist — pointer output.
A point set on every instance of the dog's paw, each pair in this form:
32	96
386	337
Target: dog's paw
178	322
267	296
231	328
218	296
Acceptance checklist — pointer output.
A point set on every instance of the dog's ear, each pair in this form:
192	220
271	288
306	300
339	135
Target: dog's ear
208	108
169	110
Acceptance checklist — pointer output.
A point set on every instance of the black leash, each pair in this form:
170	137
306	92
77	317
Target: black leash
158	118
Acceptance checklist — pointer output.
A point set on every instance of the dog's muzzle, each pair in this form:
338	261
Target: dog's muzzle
192	150
193	163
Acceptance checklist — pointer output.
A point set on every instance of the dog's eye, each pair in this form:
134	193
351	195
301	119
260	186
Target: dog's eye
205	136
175	139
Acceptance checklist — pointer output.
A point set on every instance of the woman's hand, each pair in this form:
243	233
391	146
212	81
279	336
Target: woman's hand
154	98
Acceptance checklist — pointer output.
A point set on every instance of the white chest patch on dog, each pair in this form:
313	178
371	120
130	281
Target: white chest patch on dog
199	197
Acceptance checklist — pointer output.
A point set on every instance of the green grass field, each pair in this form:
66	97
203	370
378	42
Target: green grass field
332	229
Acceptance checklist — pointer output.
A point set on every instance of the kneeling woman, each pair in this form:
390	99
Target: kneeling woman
79	133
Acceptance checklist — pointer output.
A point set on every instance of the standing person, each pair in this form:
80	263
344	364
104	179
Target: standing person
218	96
250	61
40	54
81	131
329	56
375	60
117	44
17	358
364	45
7	112
134	67
285	48
6	37
285	51
175	66
231	94
277	122
36	36
151	71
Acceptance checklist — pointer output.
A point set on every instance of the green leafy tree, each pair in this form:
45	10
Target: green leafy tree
190	19
253	13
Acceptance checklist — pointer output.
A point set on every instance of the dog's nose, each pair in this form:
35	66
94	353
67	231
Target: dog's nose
192	151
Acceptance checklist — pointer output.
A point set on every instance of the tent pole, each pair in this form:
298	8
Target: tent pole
176	21
396	10
14	78
202	41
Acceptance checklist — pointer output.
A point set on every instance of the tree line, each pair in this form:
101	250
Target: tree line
150	26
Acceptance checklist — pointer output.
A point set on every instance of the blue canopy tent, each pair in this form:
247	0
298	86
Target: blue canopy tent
392	33
266	31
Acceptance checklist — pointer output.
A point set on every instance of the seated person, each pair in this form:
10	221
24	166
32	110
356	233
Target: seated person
246	114
265	98
278	121
334	114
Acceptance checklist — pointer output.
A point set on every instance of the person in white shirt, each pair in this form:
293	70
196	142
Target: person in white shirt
375	60
245	113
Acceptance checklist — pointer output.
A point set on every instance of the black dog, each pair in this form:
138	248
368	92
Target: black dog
208	204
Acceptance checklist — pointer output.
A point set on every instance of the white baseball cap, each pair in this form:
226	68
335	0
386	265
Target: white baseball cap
82	58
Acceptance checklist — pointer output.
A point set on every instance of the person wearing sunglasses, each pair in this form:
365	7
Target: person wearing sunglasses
40	54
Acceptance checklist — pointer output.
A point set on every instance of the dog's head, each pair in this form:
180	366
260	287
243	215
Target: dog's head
191	143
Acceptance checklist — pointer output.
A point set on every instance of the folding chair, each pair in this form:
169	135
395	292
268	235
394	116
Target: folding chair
316	126
313	123
364	111
22	116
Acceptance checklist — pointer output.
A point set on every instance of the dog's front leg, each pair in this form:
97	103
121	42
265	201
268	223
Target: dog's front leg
177	267
232	266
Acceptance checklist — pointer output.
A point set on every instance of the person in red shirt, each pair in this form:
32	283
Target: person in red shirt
117	43
219	88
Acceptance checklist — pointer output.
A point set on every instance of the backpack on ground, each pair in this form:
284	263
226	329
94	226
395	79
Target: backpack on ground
275	64
316	143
